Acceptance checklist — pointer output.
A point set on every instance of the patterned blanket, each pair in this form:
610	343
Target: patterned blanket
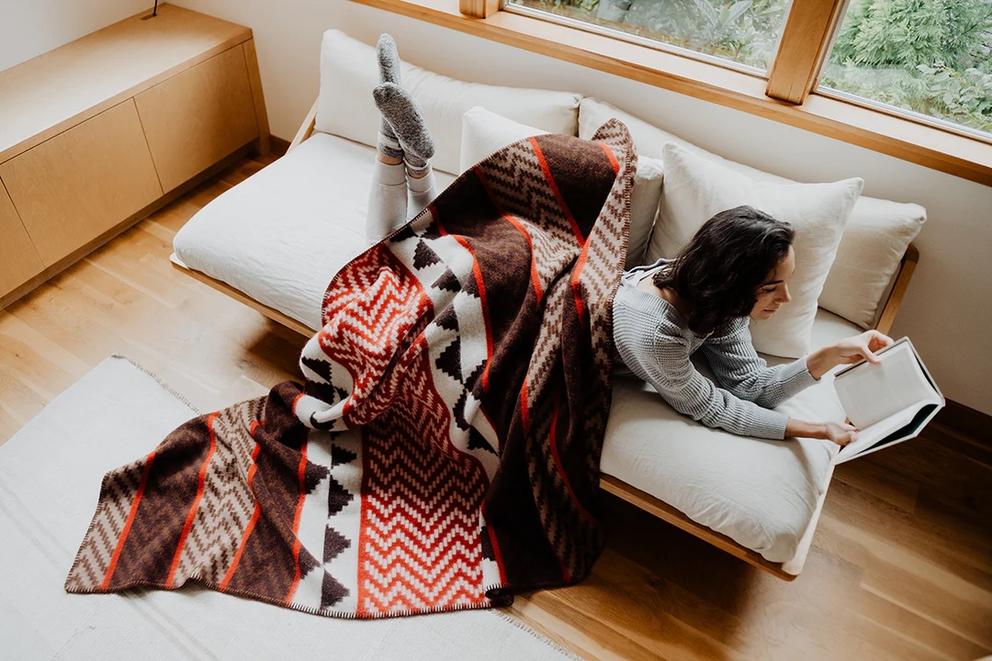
443	452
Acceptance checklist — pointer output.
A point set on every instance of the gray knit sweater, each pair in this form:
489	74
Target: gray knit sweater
655	343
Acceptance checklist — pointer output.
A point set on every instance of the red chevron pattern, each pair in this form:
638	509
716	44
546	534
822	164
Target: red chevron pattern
420	546
373	310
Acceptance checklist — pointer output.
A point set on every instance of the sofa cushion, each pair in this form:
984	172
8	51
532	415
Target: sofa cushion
696	188
873	243
762	494
484	132
349	71
281	235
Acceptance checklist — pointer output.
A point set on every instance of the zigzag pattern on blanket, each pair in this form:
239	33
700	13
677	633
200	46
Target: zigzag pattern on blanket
443	450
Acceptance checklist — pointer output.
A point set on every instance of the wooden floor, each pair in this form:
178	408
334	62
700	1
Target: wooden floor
901	565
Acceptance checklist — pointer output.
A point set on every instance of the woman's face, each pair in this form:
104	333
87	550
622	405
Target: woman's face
774	292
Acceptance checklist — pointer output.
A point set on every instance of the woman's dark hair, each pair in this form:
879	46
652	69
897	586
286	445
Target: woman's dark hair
718	273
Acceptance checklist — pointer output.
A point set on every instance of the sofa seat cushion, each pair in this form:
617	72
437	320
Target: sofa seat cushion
762	494
281	235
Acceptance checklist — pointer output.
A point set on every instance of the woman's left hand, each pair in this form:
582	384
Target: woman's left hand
859	347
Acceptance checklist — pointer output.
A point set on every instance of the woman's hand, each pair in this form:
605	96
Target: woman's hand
840	433
849	350
861	347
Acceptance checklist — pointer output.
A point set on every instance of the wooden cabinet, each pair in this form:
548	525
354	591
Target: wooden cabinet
98	133
84	181
198	116
20	261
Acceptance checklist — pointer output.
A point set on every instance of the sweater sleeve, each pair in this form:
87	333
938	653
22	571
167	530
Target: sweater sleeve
738	368
676	379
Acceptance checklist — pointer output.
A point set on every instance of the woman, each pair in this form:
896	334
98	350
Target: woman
735	268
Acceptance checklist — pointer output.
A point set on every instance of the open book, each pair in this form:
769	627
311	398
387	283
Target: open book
890	402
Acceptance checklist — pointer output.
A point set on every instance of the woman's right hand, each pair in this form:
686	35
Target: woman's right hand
840	433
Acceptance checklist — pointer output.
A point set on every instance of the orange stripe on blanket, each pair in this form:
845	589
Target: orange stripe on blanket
554	189
553	440
574	281
301	472
534	278
494	542
254	515
129	522
524	411
201	481
611	156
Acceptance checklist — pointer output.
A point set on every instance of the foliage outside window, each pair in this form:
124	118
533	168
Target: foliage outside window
933	57
742	31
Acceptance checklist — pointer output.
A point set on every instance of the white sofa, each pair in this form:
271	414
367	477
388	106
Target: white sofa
278	237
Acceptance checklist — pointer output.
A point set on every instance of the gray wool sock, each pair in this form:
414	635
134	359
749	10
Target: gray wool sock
388	58
401	112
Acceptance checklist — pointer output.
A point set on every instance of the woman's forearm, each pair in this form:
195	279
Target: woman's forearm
805	429
820	361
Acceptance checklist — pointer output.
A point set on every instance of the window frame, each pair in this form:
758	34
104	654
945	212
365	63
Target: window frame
862	124
632	38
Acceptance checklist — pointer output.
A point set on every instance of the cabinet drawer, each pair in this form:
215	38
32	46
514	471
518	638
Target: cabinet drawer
199	116
84	181
19	262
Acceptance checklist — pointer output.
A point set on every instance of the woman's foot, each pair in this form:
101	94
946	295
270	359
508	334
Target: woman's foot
400	111
388	58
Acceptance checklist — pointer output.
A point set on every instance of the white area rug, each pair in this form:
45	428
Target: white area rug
50	474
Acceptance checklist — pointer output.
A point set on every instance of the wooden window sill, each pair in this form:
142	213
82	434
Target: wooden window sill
962	156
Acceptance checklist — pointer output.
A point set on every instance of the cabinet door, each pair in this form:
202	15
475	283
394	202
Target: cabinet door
199	116
19	261
84	181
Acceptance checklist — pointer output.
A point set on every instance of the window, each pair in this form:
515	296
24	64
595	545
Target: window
744	32
931	57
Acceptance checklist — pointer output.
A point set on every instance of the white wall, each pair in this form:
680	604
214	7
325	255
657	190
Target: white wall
948	311
32	27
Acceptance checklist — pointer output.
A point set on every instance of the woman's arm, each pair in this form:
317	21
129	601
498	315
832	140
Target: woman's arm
839	433
664	362
849	350
739	368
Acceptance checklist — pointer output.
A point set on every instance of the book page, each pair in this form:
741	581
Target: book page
872	393
890	431
872	434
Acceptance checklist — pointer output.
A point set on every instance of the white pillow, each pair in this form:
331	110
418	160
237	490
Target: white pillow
349	72
484	132
697	188
873	243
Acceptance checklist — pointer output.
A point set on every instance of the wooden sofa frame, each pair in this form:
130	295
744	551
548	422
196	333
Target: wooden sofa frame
617	487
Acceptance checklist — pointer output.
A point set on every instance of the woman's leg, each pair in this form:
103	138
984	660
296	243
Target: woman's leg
388	192
404	117
387	197
421	185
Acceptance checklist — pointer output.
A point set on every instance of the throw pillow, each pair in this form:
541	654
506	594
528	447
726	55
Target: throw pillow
697	188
